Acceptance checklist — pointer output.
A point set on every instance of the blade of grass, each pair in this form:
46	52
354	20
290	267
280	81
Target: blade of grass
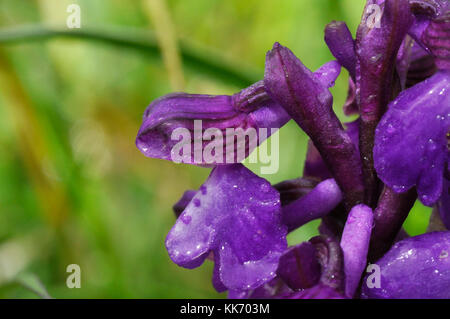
33	284
165	34
195	57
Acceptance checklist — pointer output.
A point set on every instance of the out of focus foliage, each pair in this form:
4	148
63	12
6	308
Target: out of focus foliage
73	187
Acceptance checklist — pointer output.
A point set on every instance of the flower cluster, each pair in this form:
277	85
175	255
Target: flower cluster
361	179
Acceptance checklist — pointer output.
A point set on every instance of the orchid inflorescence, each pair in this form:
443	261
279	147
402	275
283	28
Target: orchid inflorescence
361	179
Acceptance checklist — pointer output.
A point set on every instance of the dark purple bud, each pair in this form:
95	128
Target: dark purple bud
436	38
293	189
329	255
341	44
309	102
172	130
299	267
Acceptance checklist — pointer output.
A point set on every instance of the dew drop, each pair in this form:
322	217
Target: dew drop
186	219
398	188
431	145
265	188
197	202
390	129
376	58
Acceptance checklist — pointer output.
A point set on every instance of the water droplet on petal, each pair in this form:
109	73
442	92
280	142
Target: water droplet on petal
186	219
398	188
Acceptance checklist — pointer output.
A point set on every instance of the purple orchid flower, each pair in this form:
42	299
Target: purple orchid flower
169	129
415	268
236	215
411	139
206	225
250	109
361	180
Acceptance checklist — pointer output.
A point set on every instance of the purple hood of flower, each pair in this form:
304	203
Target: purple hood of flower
249	109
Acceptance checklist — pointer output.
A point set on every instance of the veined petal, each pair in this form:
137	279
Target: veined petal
410	142
236	215
436	38
330	257
189	123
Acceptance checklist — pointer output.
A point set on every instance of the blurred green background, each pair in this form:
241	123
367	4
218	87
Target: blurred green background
73	187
